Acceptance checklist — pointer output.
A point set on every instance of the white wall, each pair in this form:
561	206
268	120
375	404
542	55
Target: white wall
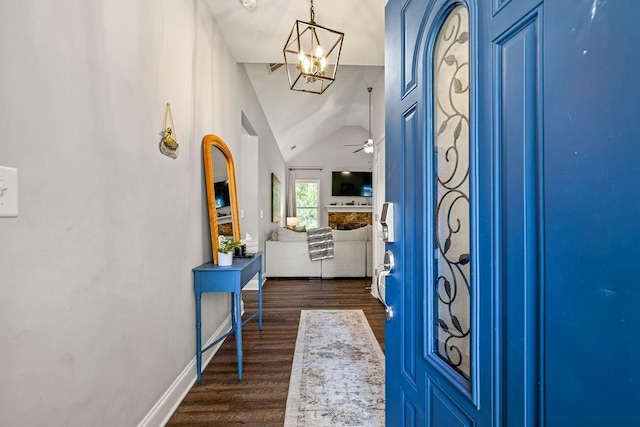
379	156
248	186
334	155
270	161
377	109
336	152
96	293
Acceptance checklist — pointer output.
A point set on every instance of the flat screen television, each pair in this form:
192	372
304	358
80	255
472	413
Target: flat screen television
222	194
351	184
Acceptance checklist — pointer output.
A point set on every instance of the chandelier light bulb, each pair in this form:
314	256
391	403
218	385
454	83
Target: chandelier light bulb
323	63
319	52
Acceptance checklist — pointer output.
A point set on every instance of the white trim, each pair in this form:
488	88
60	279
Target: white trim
164	408
349	208
252	285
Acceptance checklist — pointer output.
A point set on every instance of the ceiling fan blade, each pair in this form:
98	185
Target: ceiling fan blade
359	149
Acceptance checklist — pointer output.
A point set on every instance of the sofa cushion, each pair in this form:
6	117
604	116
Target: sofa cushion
359	234
349	260
285	235
362	233
290	259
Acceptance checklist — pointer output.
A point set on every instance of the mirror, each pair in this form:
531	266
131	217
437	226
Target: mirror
222	199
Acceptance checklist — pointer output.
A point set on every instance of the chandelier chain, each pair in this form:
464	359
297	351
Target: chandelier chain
369	89
313	13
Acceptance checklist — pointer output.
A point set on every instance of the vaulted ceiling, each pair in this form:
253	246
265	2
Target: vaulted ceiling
256	38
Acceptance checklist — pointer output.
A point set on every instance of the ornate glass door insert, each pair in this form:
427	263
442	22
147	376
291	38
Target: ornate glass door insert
452	254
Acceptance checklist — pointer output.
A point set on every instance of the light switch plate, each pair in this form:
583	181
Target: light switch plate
8	192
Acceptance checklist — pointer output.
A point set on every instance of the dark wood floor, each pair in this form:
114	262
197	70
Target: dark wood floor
261	397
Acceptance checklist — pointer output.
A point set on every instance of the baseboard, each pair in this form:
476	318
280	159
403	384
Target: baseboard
252	285
171	399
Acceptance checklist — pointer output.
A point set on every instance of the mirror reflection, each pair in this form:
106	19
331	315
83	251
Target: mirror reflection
221	190
222	198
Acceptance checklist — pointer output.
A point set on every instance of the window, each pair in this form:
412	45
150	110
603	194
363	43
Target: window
308	202
452	214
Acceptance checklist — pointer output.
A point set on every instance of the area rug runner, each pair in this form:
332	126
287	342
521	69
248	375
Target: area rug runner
337	377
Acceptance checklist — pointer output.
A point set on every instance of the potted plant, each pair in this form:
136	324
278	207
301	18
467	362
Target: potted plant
225	250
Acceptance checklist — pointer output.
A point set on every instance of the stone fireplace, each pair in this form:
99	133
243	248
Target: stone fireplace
349	220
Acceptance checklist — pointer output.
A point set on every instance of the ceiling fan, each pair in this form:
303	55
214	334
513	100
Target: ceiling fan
367	146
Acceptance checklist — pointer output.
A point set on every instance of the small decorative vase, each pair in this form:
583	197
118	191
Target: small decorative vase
241	251
225	260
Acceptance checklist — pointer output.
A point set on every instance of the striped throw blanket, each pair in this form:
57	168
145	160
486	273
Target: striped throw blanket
320	242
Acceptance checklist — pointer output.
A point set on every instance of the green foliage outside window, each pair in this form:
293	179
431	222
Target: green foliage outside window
307	201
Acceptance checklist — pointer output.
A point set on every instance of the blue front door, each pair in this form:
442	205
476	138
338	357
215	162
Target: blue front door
513	161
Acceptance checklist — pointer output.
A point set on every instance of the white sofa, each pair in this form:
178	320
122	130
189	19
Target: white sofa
286	255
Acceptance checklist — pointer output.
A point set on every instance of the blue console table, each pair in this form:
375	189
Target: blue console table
212	278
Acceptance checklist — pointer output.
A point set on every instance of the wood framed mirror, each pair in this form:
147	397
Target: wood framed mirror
222	197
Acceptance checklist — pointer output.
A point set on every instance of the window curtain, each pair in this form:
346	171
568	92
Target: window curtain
291	193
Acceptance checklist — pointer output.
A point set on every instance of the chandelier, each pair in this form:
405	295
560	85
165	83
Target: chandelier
311	56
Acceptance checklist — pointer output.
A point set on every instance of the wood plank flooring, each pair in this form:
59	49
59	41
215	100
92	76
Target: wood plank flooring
260	398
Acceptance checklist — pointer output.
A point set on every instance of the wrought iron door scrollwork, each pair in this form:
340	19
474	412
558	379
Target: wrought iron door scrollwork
452	205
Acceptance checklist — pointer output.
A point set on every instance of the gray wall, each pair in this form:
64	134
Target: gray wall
96	293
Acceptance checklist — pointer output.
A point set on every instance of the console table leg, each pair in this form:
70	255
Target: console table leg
260	299
237	296
198	339
233	311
